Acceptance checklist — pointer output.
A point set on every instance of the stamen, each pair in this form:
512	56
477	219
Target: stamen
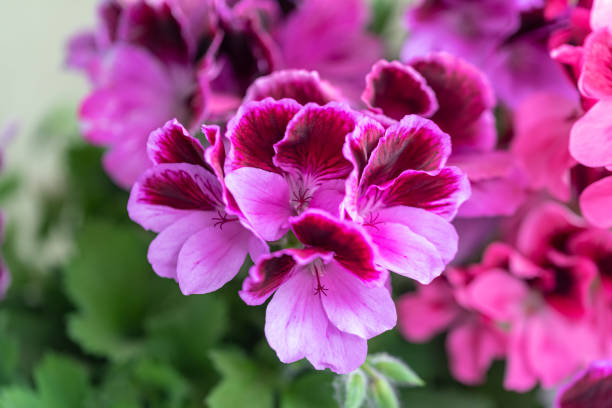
320	288
221	219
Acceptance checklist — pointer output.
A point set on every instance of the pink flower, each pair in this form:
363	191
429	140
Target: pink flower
153	60
458	98
592	387
329	297
182	199
298	150
404	195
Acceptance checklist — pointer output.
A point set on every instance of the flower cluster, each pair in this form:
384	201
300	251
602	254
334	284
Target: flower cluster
345	196
152	60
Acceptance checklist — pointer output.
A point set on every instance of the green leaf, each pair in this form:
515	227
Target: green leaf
17	397
313	389
243	384
445	397
382	393
113	287
356	383
61	382
395	370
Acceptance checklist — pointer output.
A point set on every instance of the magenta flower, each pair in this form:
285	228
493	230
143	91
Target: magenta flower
150	61
182	199
298	150
590	388
404	195
329	297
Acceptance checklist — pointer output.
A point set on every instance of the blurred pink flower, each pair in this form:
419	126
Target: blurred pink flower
592	387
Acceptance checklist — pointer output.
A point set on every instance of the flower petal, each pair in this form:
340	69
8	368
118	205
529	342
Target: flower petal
464	95
167	192
497	294
596	201
299	85
591	136
439	192
164	249
596	78
264	199
314	140
266	276
212	257
297	327
414	143
173	144
592	387
354	308
398	90
350	246
254	130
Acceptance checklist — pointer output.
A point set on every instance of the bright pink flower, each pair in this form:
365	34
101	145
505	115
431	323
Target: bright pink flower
592	387
404	195
298	150
329	296
182	199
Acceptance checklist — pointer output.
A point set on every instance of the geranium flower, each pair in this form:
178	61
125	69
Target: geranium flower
592	387
285	158
329	297
153	60
404	195
183	200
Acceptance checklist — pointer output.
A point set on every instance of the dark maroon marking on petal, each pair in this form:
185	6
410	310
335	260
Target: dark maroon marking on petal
414	143
109	14
180	186
268	274
173	144
350	247
398	90
441	193
313	142
299	85
156	29
591	388
464	95
362	141
255	129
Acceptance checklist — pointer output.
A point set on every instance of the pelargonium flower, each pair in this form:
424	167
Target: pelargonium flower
329	296
403	194
297	150
458	98
152	60
492	34
592	387
182	198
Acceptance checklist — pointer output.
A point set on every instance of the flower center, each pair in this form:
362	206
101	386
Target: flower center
223	218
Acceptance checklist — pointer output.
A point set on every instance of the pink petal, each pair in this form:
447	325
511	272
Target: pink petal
267	275
543	124
299	85
167	192
254	130
361	143
297	327
398	90
497	294
212	257
350	246
314	140
596	77
428	311
440	192
596	201
591	387
414	143
165	248
519	375
591	136
354	308
464	95
173	144
263	198
472	347
126	161
601	14
328	197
